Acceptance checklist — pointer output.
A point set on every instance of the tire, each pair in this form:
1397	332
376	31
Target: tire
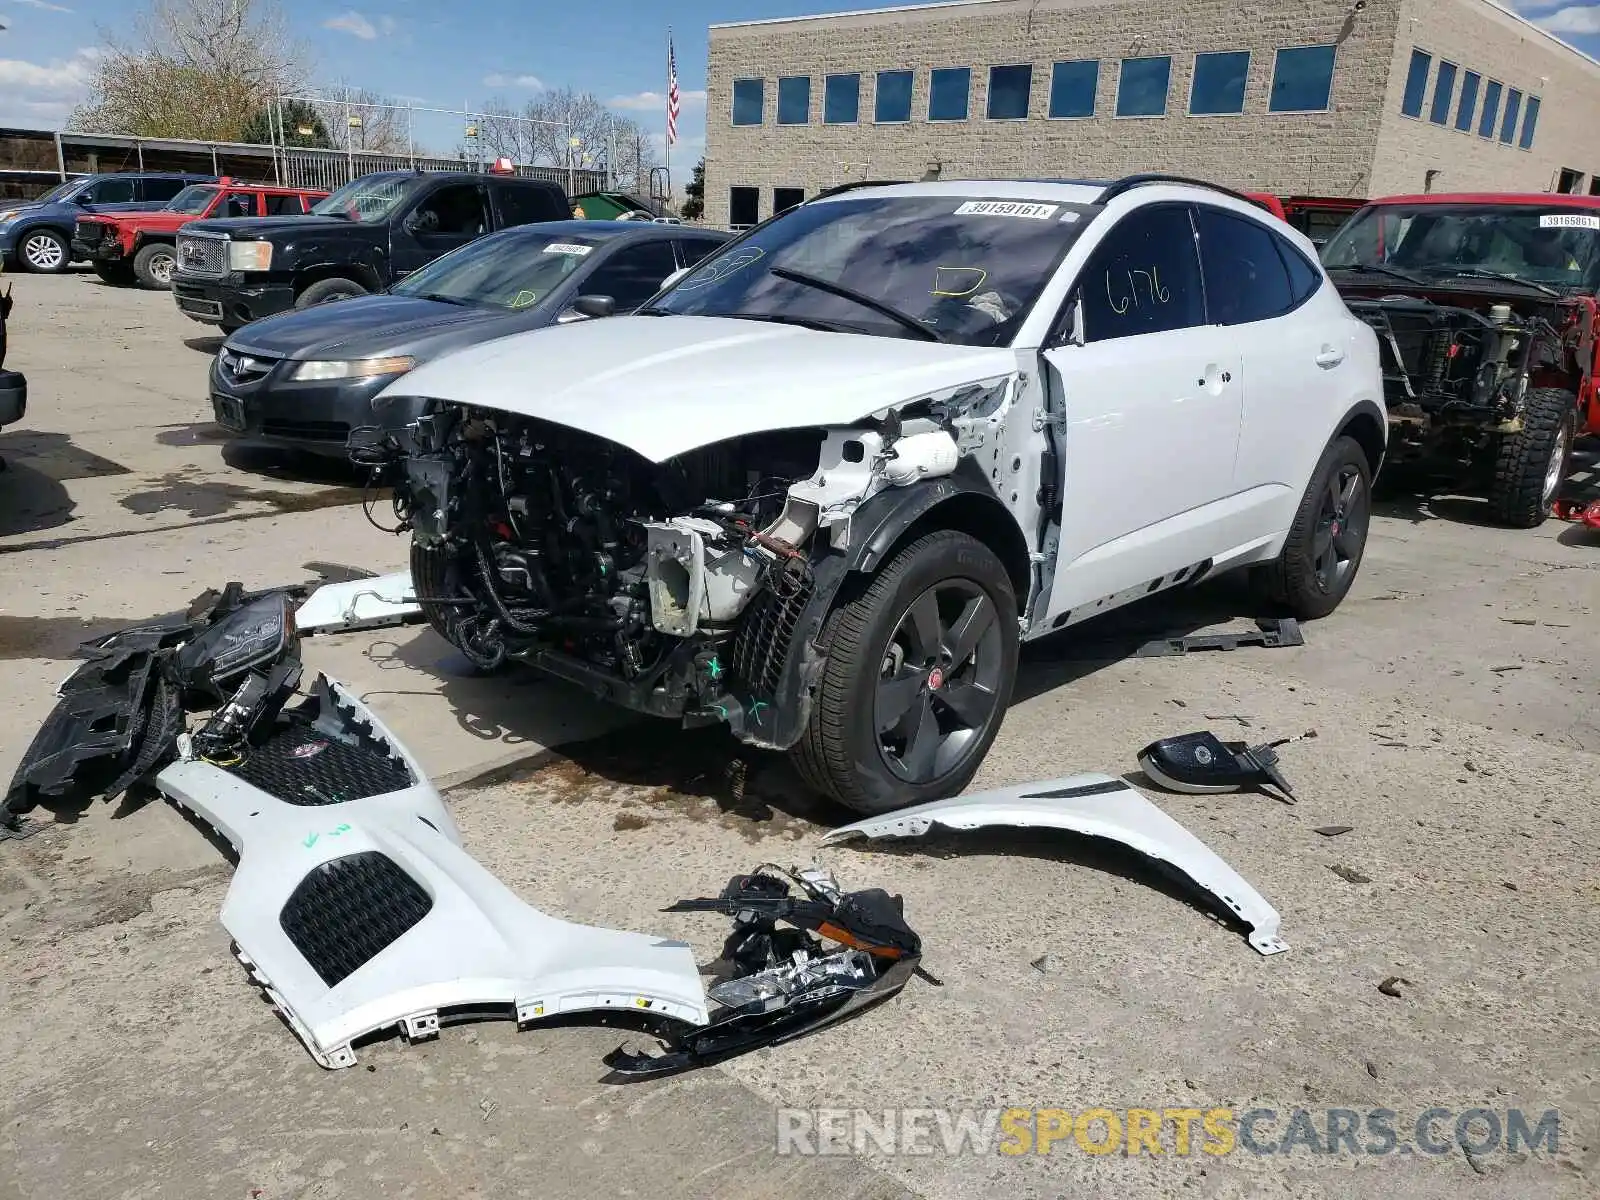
113	271
153	266
325	291
229	329
44	252
430	572
854	748
1530	466
1334	517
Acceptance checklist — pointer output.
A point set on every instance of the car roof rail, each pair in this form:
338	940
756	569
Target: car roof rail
1129	182
856	186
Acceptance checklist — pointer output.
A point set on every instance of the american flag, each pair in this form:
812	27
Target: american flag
672	95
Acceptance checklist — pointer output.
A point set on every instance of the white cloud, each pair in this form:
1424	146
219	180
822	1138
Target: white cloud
651	101
358	25
1575	18
531	83
44	92
46	5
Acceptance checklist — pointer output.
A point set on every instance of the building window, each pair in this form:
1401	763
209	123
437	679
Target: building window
948	92
749	98
1416	83
1491	109
1444	90
893	103
1569	181
1594	185
1218	86
744	205
1302	79
1530	118
841	99
794	100
1469	101
1508	126
1142	87
1010	92
1072	88
783	199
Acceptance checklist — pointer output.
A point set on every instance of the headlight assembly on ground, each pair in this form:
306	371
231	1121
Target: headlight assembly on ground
359	368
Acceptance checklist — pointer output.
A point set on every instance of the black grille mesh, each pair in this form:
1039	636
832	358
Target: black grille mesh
347	911
761	645
299	765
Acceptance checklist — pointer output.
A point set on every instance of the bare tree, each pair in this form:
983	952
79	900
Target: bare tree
193	69
359	120
602	136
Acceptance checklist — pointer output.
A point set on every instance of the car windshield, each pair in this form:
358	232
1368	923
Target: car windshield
59	192
195	198
513	270
368	200
962	269
1553	246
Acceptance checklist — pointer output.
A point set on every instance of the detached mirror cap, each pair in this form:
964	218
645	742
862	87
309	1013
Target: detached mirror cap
594	306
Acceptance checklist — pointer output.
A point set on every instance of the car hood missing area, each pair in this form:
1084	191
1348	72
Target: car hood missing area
666	385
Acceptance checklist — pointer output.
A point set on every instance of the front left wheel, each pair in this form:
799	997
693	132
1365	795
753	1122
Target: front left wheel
153	266
44	251
919	673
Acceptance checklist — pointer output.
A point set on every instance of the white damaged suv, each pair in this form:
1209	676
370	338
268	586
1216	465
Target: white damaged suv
823	484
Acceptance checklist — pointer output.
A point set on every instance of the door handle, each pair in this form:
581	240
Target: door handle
1330	356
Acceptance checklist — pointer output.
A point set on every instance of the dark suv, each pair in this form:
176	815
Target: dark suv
365	236
37	234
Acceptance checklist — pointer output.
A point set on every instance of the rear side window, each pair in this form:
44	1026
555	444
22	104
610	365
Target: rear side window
1144	277
283	206
162	189
692	250
1246	279
523	205
1304	279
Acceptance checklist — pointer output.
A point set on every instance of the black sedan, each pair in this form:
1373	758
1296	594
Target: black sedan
303	380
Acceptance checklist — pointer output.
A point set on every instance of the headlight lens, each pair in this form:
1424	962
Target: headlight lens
7	217
359	368
250	256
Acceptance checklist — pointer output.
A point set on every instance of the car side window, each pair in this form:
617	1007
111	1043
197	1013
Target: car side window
284	206
112	191
524	204
633	274
238	204
1246	279
162	189
455	210
693	250
1144	277
1304	279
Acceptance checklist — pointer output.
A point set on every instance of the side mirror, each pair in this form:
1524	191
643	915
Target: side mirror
83	198
594	306
674	277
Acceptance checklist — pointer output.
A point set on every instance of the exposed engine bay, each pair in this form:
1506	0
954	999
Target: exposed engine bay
1448	366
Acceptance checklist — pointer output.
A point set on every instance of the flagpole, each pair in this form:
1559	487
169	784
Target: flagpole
666	141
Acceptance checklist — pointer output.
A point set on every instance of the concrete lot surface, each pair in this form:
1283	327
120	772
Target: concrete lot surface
1457	716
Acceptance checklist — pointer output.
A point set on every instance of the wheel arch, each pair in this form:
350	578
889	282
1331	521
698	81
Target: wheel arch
893	519
358	273
1367	425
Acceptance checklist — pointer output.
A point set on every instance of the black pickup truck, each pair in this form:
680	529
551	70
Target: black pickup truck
371	232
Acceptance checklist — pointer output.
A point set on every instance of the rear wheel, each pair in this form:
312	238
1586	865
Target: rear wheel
325	291
1531	465
1329	535
44	251
919	673
153	265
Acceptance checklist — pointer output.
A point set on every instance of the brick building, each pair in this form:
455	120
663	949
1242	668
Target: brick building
1314	97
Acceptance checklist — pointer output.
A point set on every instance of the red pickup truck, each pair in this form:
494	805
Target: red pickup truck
138	247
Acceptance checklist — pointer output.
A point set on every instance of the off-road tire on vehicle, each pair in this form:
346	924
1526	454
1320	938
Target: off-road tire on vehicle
840	754
1334	517
1520	493
148	266
113	271
325	291
35	253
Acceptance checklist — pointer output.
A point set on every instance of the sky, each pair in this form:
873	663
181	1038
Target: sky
460	53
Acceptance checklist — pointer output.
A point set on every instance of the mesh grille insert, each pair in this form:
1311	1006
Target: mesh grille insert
347	911
302	766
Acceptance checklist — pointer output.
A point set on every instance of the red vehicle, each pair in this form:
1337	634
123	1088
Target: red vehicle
138	247
1318	217
1486	313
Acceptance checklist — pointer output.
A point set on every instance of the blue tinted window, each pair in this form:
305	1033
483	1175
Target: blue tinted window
1010	92
1491	109
1219	82
749	98
1302	79
1416	83
1508	127
1530	118
894	97
1469	101
1142	87
841	99
1072	88
948	94
794	100
1444	90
